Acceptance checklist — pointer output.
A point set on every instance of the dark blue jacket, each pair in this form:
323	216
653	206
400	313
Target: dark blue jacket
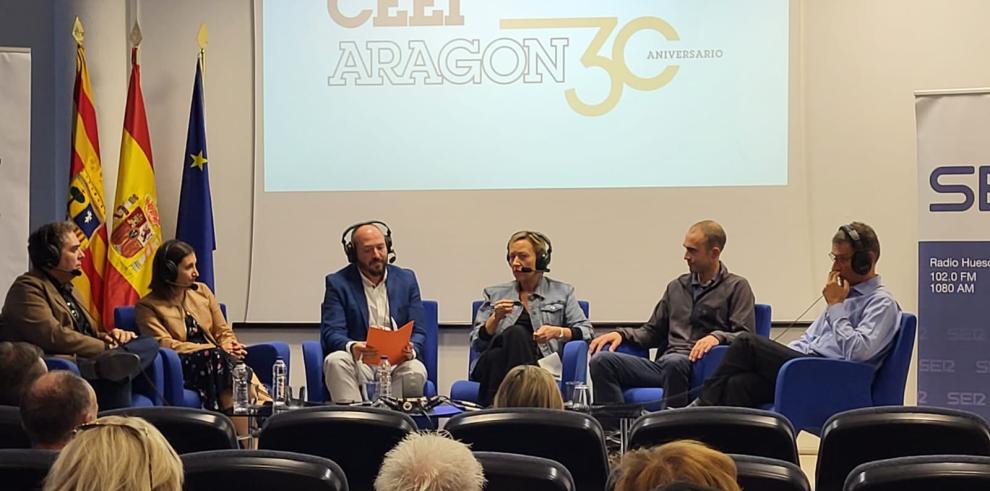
345	308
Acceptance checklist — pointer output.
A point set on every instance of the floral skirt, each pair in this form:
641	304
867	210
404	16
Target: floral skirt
207	373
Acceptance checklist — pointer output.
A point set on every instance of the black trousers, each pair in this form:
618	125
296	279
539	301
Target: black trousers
611	372
113	395
509	349
747	375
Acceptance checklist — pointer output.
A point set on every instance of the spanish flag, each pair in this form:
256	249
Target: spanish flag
86	206
137	230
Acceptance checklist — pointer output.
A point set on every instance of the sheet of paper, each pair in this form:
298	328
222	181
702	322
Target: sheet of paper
552	364
388	343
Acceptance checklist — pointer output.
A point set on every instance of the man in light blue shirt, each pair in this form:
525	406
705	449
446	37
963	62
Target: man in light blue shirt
859	325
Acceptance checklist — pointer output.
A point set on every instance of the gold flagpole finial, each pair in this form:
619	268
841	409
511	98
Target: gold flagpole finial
77	31
202	37
136	35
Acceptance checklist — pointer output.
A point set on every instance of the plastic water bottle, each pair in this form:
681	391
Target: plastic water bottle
279	385
240	376
384	378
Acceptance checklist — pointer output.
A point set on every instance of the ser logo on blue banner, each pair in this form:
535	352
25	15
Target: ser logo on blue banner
936	365
966	398
966	193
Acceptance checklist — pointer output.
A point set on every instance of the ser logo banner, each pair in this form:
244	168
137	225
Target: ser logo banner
505	60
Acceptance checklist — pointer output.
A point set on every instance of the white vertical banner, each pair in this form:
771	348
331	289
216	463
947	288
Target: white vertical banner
954	249
15	162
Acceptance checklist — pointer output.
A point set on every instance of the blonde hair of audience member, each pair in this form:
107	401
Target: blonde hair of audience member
430	462
116	452
683	460
528	386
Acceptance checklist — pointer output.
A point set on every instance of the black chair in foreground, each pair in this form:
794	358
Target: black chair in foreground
575	440
12	434
924	473
356	438
732	430
763	474
514	472
186	429
24	468
261	469
865	435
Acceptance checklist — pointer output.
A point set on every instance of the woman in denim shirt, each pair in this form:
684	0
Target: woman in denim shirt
524	320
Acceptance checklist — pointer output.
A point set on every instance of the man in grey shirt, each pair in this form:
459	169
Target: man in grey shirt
698	311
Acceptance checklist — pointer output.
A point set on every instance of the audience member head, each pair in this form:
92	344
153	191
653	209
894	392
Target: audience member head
116	452
55	248
684	486
430	462
54	406
20	364
855	251
685	461
703	246
174	264
528	386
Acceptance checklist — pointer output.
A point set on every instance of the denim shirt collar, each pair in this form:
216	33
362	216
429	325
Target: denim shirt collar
541	287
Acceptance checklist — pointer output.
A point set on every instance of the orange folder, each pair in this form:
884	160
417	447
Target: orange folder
388	343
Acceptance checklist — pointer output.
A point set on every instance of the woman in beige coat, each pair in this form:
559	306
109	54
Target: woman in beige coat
183	315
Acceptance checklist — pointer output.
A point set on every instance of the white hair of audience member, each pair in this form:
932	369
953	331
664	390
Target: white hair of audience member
430	462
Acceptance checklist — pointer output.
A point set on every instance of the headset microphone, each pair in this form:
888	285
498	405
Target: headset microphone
191	286
524	269
73	272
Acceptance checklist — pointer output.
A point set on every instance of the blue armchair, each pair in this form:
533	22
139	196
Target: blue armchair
574	363
652	397
260	358
811	390
313	359
143	393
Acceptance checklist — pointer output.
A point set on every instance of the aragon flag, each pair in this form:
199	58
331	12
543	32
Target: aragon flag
86	206
137	231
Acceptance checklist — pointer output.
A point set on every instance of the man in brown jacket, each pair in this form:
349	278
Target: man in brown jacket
42	309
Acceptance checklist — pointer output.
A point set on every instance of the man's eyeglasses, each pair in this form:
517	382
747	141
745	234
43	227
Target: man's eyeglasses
841	259
141	434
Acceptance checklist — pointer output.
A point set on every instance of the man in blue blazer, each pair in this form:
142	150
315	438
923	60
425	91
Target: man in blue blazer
370	293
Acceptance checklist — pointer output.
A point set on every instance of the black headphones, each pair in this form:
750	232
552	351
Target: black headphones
42	250
861	262
52	254
347	240
167	267
542	256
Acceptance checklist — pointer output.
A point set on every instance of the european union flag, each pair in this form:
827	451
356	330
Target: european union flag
195	223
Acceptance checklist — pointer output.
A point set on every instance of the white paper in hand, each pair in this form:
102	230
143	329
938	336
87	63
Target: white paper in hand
552	364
